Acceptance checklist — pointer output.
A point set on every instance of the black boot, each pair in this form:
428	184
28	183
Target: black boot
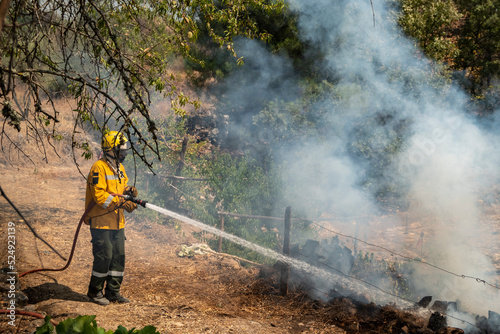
98	298
117	298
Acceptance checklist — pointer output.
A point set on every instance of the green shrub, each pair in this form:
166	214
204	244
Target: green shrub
87	324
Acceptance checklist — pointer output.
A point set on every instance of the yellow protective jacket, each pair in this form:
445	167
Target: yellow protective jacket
101	183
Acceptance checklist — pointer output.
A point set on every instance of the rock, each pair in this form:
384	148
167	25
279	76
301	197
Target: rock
436	321
482	323
424	302
368	310
440	306
493	316
309	248
493	322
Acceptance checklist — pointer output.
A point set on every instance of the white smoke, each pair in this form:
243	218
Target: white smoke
447	161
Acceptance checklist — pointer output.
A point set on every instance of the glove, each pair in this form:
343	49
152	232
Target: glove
129	206
131	191
117	205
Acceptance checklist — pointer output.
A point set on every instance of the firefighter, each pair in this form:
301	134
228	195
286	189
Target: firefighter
107	176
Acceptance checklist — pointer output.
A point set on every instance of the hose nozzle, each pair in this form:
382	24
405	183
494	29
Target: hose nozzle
135	200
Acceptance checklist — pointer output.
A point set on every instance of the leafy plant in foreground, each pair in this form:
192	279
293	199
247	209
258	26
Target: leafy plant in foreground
87	324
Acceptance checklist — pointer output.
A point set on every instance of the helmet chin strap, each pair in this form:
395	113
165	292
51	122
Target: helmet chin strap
109	155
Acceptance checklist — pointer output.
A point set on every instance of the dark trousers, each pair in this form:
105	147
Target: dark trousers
108	248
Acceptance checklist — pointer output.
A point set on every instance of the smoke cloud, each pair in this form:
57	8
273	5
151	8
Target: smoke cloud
387	90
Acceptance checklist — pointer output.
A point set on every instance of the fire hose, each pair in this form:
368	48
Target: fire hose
72	248
28	313
91	205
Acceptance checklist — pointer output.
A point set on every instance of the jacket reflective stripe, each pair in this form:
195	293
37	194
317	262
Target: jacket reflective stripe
96	274
111	177
109	273
108	201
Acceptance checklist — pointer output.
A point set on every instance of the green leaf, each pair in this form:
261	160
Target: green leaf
46	328
121	330
148	330
86	324
81	324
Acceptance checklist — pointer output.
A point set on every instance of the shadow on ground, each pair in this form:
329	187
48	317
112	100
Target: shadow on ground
49	291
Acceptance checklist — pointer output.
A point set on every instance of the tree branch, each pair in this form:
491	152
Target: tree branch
4	9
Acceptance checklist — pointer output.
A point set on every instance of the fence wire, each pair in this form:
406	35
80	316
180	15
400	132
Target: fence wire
303	283
412	259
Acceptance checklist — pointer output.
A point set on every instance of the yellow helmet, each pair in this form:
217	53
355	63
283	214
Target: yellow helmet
113	139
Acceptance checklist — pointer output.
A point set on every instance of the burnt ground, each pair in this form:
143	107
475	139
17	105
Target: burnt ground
210	293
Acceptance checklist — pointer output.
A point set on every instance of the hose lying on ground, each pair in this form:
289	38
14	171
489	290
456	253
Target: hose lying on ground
91	205
31	314
38	315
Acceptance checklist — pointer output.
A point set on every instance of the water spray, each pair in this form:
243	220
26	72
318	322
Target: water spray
338	281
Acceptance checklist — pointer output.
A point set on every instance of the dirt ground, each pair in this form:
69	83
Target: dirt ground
210	293
202	294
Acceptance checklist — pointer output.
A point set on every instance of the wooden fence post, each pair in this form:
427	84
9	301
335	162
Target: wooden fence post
178	171
222	229
285	268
